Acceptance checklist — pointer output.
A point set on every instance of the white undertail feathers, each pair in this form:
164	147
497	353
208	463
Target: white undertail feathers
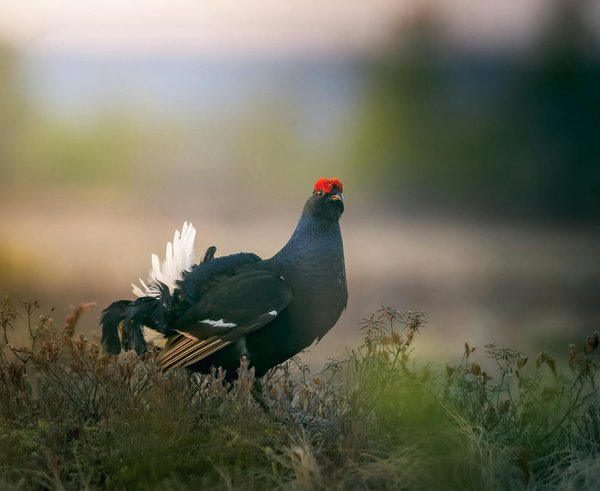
179	257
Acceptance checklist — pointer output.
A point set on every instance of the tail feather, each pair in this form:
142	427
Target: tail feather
209	255
124	322
111	318
133	337
179	257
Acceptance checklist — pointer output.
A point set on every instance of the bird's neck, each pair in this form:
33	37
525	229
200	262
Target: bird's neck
313	236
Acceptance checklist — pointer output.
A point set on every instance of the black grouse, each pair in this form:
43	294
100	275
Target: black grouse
212	313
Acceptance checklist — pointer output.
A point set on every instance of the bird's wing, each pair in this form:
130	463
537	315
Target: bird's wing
235	307
203	277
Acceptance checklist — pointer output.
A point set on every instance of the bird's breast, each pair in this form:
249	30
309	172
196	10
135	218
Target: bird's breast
319	297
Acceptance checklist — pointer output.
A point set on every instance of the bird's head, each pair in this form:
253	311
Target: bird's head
327	200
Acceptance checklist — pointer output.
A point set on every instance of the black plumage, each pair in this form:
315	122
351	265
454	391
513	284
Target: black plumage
240	305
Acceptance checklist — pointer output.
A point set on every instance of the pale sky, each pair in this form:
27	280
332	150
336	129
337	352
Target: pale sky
243	27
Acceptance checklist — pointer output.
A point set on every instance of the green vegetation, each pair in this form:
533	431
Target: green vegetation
504	132
73	418
426	124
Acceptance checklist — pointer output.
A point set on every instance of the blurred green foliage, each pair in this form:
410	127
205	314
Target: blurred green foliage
59	154
513	133
12	107
38	149
505	132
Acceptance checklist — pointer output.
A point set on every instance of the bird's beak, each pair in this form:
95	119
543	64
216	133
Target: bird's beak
337	197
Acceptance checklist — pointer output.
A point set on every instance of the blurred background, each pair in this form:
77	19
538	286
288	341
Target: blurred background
467	135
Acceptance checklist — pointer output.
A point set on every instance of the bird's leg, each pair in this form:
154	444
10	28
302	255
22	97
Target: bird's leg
259	397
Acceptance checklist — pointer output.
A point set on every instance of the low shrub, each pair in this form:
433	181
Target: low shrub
72	417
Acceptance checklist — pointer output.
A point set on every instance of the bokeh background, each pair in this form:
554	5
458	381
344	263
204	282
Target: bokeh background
467	135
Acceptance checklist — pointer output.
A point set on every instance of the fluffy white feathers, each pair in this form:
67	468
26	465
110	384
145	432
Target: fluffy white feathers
179	257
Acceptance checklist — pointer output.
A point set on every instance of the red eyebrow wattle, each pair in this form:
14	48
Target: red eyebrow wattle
326	185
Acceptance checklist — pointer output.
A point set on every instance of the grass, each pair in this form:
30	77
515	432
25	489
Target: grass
72	417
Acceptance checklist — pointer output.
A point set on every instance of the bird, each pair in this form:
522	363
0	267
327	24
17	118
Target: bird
211	314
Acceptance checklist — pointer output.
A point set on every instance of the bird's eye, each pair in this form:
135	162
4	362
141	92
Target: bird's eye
319	192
